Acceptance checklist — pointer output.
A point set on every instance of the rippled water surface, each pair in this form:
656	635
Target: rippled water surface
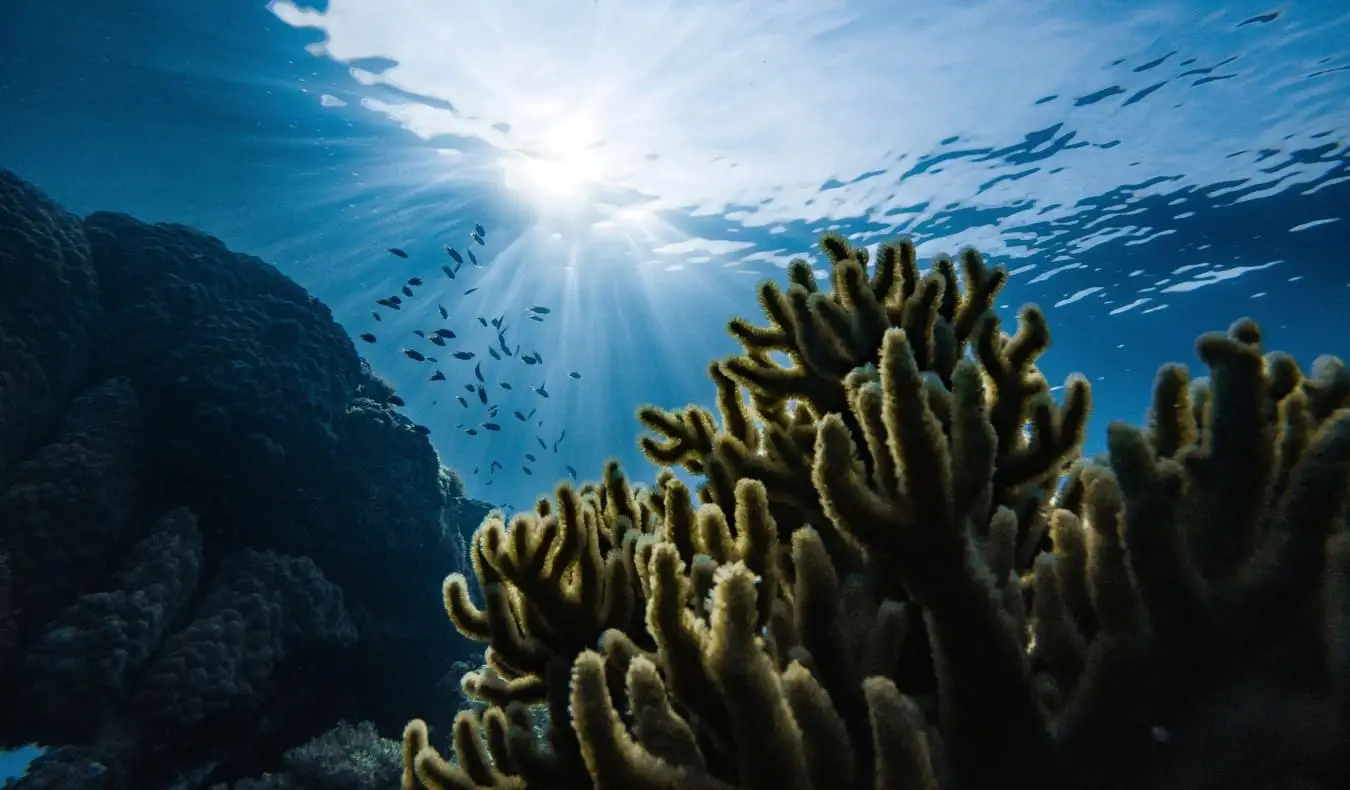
1146	170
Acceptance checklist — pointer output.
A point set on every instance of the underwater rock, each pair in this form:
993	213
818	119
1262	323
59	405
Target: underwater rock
213	514
66	506
205	331
49	303
78	670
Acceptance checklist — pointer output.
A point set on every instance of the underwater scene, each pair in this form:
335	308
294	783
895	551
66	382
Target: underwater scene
674	395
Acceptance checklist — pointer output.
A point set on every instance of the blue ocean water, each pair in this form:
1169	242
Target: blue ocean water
1147	171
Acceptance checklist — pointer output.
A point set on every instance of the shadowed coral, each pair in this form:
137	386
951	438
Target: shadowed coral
898	572
65	512
260	607
152	380
81	666
49	307
347	757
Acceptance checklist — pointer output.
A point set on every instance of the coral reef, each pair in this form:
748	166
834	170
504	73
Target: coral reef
348	757
218	538
48	307
897	571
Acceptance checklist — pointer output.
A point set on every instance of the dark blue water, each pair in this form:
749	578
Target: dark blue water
1148	171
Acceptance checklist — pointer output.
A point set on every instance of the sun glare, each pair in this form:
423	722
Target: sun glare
556	179
560	172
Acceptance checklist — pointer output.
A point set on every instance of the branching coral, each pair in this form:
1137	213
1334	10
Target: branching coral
899	573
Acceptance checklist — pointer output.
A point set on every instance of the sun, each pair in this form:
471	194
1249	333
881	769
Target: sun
560	177
561	170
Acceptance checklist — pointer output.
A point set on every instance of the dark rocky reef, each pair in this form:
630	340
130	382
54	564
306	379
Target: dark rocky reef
218	539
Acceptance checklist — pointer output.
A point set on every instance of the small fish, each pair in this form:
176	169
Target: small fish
492	411
492	426
483	321
520	417
478	229
472	431
501	343
444	333
497	322
570	471
469	387
368	337
375	315
504	385
432	359
396	299
438	340
462	355
471	290
474	259
538	310
482	393
444	313
537	319
541	442
492	352
387	302
529	360
530	457
462	402
543	393
397	252
448	271
558	441
531	414
407	291
478	239
574	375
494	466
475	470
414	281
397	401
422	429
420	333
478	371
526	470
454	254
414	355
438	376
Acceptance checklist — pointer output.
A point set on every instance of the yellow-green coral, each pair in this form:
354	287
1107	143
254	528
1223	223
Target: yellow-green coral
898	573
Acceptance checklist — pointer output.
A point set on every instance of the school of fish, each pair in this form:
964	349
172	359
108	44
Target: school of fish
482	411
